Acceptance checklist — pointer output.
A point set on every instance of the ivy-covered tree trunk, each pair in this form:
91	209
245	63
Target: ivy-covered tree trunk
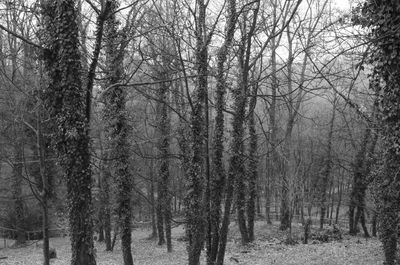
65	101
219	229
252	165
195	203
117	129
237	171
382	19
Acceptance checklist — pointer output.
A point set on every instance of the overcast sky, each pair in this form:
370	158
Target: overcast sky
342	4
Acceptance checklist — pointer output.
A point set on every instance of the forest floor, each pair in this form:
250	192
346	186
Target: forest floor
268	249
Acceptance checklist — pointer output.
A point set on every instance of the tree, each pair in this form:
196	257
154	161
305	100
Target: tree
65	99
117	127
195	200
17	184
361	170
380	17
252	168
162	71
237	171
219	227
326	174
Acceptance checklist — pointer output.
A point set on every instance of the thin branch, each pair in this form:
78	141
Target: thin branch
21	37
141	84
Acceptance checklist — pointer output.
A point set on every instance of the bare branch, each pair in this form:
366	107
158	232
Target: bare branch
21	37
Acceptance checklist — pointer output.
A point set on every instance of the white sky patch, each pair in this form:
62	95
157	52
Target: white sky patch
342	4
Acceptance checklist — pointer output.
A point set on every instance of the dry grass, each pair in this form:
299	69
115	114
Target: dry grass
267	250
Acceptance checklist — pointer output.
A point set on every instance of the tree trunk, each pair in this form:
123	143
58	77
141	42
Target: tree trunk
65	100
339	201
258	200
43	153
106	204
356	195
101	231
237	166
195	197
272	159
164	195
152	203
17	189
252	166
216	250
385	80
374	223
362	220
332	195
328	167
160	215
267	202
389	232
117	129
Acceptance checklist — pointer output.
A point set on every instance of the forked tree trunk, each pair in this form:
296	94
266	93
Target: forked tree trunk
237	169
219	226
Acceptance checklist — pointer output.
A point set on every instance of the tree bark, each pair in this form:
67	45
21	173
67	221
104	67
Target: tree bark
216	251
17	180
106	203
252	166
117	129
195	198
152	203
164	195
362	168
65	100
385	80
160	215
43	153
237	169
328	168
